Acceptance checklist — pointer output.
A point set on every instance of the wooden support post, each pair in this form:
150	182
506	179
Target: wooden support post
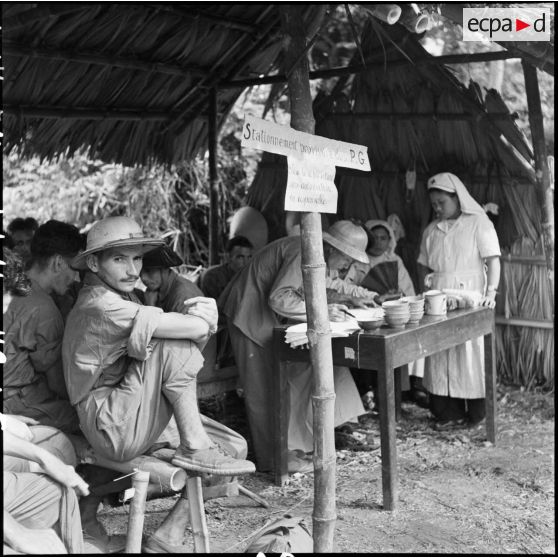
197	514
213	181
544	191
140	481
313	272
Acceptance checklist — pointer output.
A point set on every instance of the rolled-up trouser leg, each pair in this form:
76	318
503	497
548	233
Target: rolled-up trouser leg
255	366
123	421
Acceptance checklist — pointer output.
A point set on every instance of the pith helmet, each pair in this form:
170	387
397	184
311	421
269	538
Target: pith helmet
348	238
114	232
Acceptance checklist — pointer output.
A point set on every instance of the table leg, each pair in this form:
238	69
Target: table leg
397	391
387	436
490	386
280	412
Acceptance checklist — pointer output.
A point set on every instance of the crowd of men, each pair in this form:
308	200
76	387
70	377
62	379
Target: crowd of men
104	340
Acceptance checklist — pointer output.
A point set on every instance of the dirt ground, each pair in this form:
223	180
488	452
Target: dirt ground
458	493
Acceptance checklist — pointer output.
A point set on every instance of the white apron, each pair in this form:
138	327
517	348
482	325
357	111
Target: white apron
457	372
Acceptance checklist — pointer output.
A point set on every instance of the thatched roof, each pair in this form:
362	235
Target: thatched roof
409	115
132	81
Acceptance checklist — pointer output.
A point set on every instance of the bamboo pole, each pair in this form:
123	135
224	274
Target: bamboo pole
140	481
525	322
544	191
213	180
313	272
357	68
504	116
86	113
196	506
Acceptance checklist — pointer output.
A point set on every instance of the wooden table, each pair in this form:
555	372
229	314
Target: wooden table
385	349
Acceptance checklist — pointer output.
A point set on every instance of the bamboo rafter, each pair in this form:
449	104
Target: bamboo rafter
86	113
128	63
422	116
358	68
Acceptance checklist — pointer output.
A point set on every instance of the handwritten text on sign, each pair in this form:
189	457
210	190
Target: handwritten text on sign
310	186
282	140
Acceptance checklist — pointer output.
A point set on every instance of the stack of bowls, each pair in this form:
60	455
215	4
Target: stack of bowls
416	307
397	313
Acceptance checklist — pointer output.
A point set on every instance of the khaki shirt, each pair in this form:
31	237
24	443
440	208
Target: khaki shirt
104	330
175	291
34	328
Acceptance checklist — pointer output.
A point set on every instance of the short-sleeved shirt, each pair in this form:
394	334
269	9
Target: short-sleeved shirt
104	330
460	246
33	340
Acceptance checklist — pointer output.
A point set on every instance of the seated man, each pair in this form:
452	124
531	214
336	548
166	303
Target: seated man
33	378
130	367
41	514
21	231
166	288
215	279
170	291
270	288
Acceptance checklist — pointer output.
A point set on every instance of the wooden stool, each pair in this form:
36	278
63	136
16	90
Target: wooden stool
194	493
197	513
140	480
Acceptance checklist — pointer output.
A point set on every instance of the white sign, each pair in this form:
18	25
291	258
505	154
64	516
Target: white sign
310	186
283	140
520	23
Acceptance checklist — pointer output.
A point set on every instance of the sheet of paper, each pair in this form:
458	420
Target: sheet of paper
310	186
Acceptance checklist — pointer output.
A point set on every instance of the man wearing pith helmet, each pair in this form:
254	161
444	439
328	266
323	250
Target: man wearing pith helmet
266	291
129	367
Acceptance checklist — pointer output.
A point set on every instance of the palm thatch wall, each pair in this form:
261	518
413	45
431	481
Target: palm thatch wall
419	117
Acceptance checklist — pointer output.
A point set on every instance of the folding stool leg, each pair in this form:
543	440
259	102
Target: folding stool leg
197	513
140	480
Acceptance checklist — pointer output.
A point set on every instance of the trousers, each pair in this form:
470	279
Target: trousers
124	420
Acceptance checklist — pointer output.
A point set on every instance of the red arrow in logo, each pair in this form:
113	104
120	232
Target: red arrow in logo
519	25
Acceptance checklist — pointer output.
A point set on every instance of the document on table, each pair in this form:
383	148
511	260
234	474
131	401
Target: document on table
295	335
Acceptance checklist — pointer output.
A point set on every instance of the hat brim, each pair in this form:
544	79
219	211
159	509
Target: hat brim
161	257
146	244
347	249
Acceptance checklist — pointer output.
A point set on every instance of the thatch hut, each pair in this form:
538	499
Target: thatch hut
138	83
414	115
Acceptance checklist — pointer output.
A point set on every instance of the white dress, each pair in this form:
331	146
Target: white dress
455	250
